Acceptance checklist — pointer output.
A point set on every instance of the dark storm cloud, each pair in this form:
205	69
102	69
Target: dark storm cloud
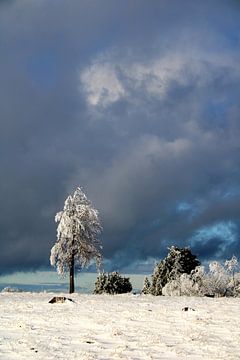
138	102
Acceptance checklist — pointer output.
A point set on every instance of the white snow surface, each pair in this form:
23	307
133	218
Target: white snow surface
118	327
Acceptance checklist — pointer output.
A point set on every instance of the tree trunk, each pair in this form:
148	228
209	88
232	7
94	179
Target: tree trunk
71	284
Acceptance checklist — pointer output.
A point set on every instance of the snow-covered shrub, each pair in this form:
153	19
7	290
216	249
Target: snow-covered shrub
172	288
10	289
219	280
112	283
177	262
236	288
232	265
185	284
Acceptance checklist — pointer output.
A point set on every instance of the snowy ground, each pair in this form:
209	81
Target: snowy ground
118	327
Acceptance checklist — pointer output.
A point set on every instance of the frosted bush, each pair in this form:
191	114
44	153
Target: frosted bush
217	280
10	289
220	280
236	285
171	289
177	262
186	284
112	283
232	265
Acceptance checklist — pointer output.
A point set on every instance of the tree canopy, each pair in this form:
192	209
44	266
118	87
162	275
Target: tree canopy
77	235
177	262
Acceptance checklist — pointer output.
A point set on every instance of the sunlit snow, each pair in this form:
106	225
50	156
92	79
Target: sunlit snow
118	327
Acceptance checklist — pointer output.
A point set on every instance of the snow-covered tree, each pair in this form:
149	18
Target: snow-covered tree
77	236
177	262
146	286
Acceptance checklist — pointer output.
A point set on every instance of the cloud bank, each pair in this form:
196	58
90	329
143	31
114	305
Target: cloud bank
139	104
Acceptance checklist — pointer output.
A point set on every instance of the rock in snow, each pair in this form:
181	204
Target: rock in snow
186	308
59	299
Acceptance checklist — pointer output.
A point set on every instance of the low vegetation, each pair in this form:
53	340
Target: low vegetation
178	261
217	281
180	273
112	283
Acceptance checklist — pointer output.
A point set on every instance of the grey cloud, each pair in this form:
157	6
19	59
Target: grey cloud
169	137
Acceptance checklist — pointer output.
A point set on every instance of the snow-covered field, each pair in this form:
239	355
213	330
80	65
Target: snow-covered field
118	327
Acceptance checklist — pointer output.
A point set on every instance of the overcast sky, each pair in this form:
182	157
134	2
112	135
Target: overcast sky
138	102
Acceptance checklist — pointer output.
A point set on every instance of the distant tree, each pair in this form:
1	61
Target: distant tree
146	286
77	236
112	283
177	262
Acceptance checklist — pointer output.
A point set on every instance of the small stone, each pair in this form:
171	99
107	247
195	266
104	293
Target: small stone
59	299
